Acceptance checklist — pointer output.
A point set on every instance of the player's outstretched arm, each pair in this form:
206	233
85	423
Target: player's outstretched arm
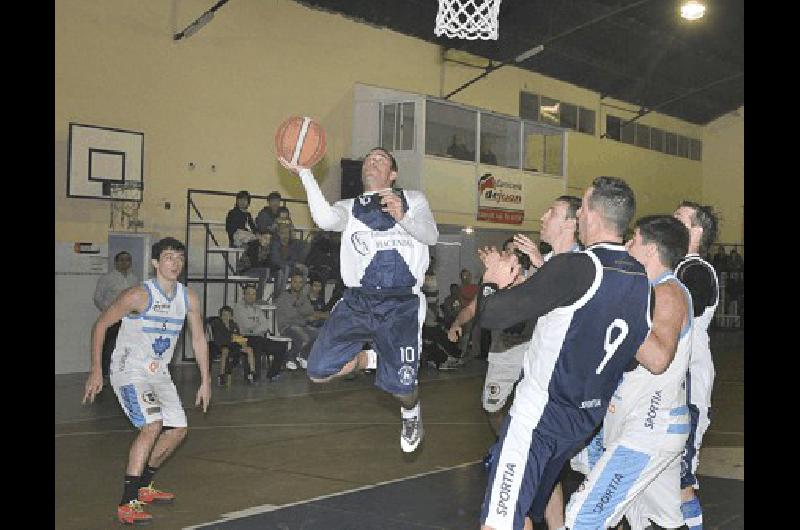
128	301
200	347
326	216
670	314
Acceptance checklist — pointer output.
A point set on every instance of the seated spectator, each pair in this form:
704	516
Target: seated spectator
287	254
316	296
720	260
267	217
284	215
487	155
458	149
232	345
451	306
254	326
735	261
239	222
294	314
435	345
257	260
323	257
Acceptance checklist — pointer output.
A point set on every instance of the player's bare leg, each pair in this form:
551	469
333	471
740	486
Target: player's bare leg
166	444
142	447
361	361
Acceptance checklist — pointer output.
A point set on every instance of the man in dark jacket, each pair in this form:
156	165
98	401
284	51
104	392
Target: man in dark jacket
239	223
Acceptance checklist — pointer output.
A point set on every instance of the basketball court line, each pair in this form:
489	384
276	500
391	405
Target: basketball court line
269	398
265	508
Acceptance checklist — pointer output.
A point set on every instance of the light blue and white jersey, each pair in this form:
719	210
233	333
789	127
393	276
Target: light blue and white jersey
646	407
146	341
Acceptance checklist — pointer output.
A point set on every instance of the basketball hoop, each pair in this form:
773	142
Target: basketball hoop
126	198
468	19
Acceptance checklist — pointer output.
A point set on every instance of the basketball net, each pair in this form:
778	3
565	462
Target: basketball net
468	19
126	198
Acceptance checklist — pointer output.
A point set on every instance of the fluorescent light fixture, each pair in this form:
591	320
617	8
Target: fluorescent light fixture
692	10
468	229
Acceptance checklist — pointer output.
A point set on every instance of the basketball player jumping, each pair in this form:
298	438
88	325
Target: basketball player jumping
384	256
152	318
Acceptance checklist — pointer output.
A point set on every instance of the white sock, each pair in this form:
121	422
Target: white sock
372	359
409	413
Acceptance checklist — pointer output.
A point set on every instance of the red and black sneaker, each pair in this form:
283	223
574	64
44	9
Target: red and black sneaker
133	513
149	494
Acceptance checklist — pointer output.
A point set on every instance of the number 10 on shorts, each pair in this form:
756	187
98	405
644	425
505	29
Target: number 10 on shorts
406	354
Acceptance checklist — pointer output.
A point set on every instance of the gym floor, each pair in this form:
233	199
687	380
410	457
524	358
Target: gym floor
292	455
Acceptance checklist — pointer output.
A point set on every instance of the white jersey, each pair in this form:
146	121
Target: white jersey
146	341
701	366
646	404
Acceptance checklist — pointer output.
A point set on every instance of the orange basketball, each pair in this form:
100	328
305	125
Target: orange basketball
300	141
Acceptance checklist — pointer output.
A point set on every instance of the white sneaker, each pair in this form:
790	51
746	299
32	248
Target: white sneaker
302	362
411	431
290	365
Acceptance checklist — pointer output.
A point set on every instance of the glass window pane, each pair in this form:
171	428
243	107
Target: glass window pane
387	126
549	111
683	146
642	135
552	154
612	127
586	120
533	147
407	131
672	143
569	116
528	106
499	141
450	131
695	149
656	139
628	133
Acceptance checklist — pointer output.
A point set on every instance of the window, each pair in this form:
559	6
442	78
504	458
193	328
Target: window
528	106
499	141
628	133
642	136
549	111
568	116
671	143
542	149
656	139
695	149
586	119
683	146
613	127
397	126
450	131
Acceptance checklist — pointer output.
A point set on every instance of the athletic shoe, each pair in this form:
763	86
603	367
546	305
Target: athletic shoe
133	513
251	378
411	434
149	494
290	365
302	363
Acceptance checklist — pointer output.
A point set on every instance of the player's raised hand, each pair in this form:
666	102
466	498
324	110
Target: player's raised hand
392	204
203	396
94	384
294	168
526	245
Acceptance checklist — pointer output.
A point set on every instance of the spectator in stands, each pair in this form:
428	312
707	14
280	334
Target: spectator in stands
435	344
323	257
468	290
257	260
735	261
487	155
720	260
109	286
239	222
294	313
287	254
254	326
316	296
284	215
458	149
232	345
268	216
451	306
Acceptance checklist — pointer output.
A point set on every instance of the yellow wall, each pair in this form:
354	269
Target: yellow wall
218	96
723	173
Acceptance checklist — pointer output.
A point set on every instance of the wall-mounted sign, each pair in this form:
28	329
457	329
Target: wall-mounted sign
501	199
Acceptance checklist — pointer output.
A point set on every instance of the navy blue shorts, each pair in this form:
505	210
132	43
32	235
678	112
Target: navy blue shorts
391	321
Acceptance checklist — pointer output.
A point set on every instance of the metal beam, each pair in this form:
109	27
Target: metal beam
201	21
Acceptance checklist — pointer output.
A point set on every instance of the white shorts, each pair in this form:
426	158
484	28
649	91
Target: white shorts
628	480
502	374
145	401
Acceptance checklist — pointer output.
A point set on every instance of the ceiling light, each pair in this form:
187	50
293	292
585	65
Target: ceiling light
468	229
692	10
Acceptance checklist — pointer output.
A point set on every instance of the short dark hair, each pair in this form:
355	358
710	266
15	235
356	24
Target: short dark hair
507	241
274	195
245	194
122	253
225	308
613	198
706	218
167	243
670	236
573	203
390	155
247	286
296	272
524	259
